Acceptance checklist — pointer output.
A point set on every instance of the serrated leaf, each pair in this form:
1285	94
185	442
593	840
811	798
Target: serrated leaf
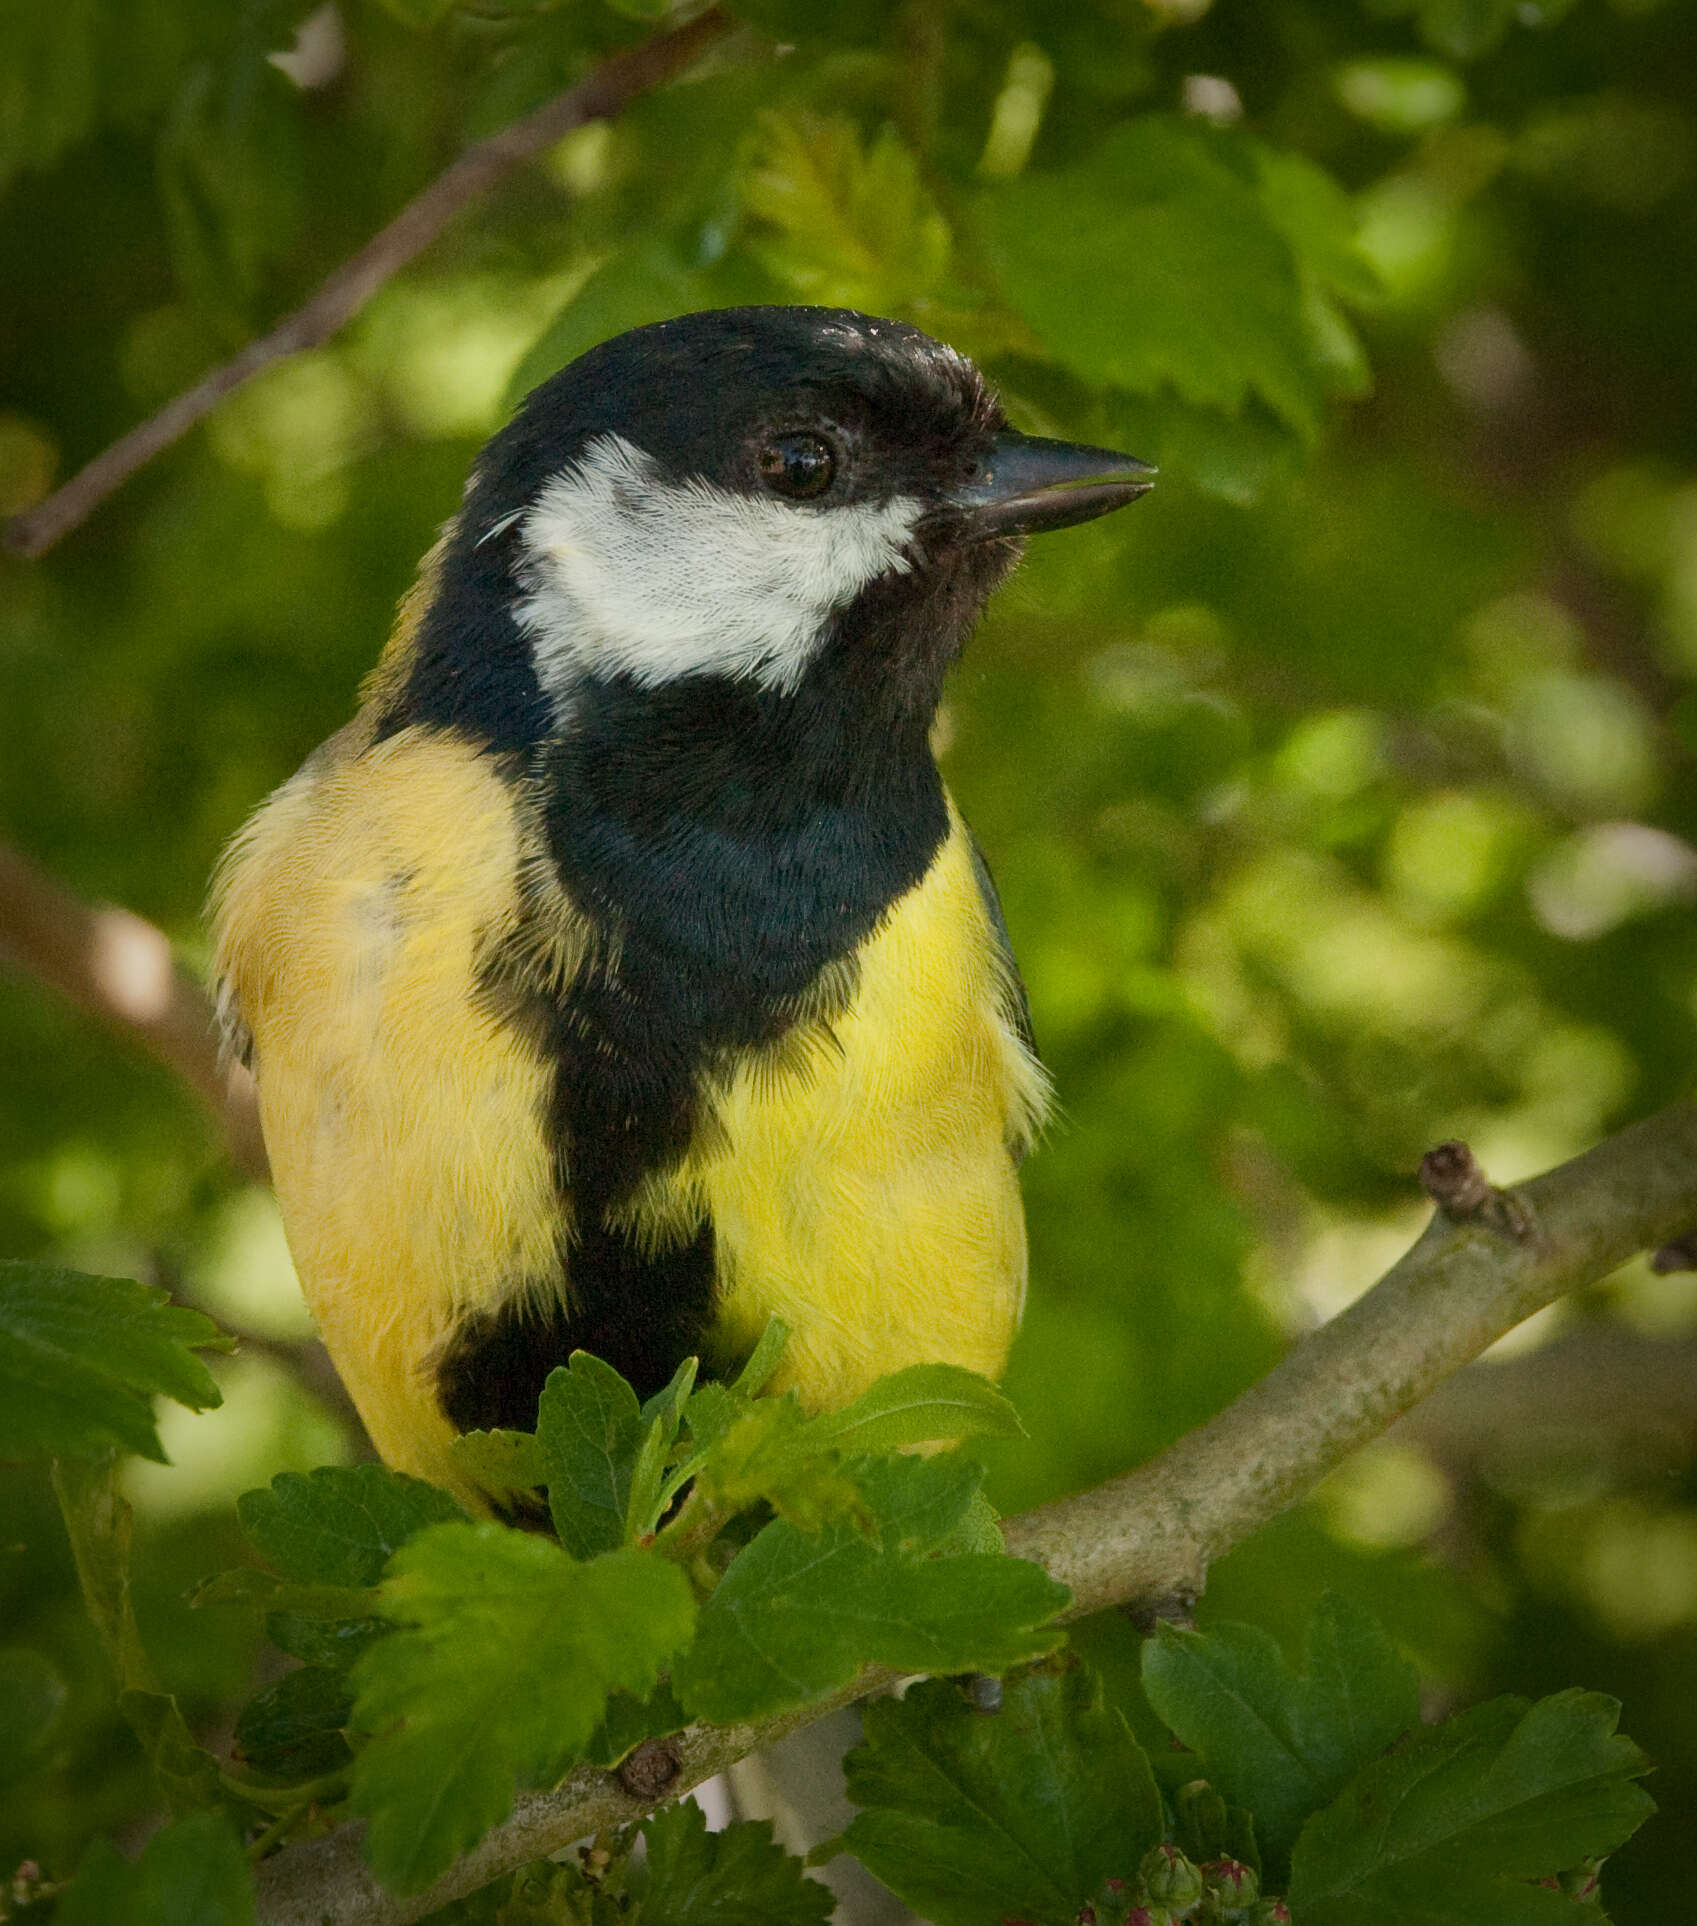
1156	263
589	1430
340	1525
917	1504
738	1876
501	1671
190	1873
505	1464
925	1404
711	1411
972	1819
293	1730
841	223
773	1454
82	1359
1279	1744
1445	1830
797	1612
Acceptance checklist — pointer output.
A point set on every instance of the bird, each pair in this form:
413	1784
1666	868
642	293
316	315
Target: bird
623	975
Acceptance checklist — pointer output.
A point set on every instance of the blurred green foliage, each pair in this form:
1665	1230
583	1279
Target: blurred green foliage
1342	798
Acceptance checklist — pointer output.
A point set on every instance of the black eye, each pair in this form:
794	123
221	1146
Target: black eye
800	466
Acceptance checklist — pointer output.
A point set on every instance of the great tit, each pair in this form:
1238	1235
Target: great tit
623	974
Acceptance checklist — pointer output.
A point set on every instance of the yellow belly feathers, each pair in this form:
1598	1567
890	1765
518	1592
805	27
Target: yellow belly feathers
861	1189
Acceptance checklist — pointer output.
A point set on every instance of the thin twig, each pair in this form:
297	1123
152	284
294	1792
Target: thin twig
600	95
1151	1535
119	967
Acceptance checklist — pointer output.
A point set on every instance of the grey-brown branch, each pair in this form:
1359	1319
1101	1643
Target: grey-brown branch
1148	1538
601	94
119	967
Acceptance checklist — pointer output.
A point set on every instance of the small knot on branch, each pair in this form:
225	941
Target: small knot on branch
1176	1607
650	1769
1680	1255
1451	1176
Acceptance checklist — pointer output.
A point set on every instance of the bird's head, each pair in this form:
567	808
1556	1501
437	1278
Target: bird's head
752	495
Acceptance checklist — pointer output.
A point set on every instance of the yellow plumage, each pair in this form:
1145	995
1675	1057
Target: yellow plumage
861	1188
623	975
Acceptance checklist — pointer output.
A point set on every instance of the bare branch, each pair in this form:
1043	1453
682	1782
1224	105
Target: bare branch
1150	1536
600	95
119	967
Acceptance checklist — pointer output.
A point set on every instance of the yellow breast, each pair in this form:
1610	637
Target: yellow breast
859	1181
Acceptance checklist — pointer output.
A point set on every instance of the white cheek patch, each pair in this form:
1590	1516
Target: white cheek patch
631	575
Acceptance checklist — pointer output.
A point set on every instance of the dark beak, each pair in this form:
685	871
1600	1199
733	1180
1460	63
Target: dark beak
1025	485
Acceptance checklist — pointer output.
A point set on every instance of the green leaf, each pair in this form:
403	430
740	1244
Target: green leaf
589	1430
763	1360
335	1642
647	281
628	1721
506	1464
772	1454
294	1729
1157	264
341	1524
839	223
1281	1745
32	1706
98	1523
1443	1831
662	1416
82	1359
735	1877
972	1819
501	1672
921	1405
190	1873
797	1612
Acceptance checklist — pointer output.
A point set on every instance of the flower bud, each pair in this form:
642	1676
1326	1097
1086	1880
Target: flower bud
1169	1878
1269	1912
1235	1882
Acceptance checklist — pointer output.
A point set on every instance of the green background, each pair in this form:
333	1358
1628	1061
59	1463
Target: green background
1341	796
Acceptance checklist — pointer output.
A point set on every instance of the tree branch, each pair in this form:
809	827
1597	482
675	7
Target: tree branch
120	968
1149	1537
600	95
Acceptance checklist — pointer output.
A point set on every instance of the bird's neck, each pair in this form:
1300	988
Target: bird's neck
739	829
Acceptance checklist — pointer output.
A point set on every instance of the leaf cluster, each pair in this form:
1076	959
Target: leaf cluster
721	1555
1317	1797
713	1554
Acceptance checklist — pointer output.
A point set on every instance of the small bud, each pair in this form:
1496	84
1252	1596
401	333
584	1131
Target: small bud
1086	1916
1269	1912
1148	1916
1115	1886
1170	1878
1235	1882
